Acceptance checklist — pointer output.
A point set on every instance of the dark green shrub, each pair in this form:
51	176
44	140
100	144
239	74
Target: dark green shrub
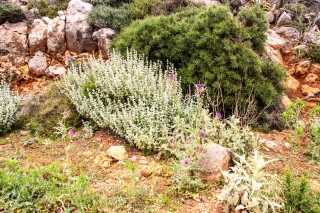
298	195
42	115
314	52
141	8
48	9
210	47
11	13
105	16
111	3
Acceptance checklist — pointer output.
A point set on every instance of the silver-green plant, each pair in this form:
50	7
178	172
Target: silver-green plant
132	96
9	105
250	189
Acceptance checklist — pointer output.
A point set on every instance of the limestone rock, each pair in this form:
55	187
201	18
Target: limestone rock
103	160
311	78
38	64
13	42
315	68
284	17
78	31
55	70
273	45
309	91
292	83
288	32
312	36
38	36
285	101
104	37
117	152
302	68
56	36
214	159
270	16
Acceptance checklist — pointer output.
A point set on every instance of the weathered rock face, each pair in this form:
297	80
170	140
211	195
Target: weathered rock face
78	31
312	36
38	64
309	91
13	42
38	36
288	32
55	70
214	159
104	37
274	45
292	83
56	35
284	17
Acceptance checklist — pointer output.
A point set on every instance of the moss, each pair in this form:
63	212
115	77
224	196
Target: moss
42	115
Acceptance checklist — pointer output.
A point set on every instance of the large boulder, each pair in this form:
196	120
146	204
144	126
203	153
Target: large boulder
38	64
283	19
312	36
78	31
13	42
215	159
56	35
288	32
104	36
274	45
37	38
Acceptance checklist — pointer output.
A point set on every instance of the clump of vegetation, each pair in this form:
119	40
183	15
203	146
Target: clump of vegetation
250	189
46	8
39	115
212	47
298	196
50	188
9	105
111	3
11	13
103	16
314	52
141	8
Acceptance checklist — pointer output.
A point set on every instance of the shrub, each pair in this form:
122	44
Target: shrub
11	13
211	47
105	16
111	3
46	8
248	188
298	196
9	105
129	95
39	114
141	8
314	52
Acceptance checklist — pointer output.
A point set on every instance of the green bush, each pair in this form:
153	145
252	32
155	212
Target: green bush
11	13
41	114
141	8
129	95
103	16
314	52
46	8
9	105
51	188
210	47
298	195
111	3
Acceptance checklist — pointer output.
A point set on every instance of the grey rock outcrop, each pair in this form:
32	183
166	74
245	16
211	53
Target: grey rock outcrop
37	38
214	159
38	64
312	36
56	35
104	36
288	32
78	31
284	17
55	70
13	42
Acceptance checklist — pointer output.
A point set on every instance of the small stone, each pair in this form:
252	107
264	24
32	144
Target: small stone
309	91
117	153
292	83
146	171
271	144
25	132
311	78
285	101
87	153
287	145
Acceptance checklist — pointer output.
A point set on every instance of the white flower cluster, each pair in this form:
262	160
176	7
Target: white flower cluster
9	105
133	97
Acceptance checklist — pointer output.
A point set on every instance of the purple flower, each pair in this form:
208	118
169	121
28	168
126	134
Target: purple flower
201	199
203	134
71	132
186	161
171	76
218	115
200	86
187	138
